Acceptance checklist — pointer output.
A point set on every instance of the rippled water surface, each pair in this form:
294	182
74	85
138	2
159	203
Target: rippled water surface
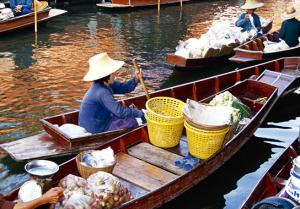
42	76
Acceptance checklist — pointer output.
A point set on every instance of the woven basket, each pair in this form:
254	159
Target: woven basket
164	135
86	171
203	143
165	109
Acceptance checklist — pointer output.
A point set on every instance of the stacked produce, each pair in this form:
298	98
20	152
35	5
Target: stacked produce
220	40
100	191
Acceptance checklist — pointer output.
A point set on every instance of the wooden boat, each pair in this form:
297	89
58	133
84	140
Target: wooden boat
149	172
182	63
252	51
284	77
274	179
27	20
129	4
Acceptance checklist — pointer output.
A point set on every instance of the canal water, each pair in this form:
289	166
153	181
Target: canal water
42	76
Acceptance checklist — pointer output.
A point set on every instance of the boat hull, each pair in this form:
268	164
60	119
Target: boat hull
252	51
182	63
27	20
133	4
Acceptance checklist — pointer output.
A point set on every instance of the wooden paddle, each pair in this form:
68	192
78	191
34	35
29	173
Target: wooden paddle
141	77
35	15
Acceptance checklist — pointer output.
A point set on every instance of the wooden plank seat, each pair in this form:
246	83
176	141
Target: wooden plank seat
156	156
141	173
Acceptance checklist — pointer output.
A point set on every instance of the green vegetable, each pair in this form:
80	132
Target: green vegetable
244	109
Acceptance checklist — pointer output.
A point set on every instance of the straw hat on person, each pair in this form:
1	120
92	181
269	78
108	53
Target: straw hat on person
251	4
290	13
101	65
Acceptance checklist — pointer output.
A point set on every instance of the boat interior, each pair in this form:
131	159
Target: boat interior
144	168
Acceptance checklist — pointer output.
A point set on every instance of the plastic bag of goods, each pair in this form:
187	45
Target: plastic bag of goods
79	201
99	158
107	190
30	190
72	184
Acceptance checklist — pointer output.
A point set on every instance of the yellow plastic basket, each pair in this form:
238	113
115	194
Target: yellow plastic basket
164	135
165	109
204	143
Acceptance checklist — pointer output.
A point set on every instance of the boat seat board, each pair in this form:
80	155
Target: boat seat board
140	173
280	80
25	149
156	156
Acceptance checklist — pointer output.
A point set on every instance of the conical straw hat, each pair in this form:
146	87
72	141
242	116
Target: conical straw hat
290	12
252	4
101	65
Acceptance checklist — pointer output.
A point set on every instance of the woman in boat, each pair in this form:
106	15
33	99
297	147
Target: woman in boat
99	110
51	196
21	7
290	27
249	20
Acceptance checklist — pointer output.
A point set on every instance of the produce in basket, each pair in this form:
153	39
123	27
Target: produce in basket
227	99
204	114
98	158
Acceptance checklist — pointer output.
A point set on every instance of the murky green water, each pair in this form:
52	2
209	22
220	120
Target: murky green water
43	77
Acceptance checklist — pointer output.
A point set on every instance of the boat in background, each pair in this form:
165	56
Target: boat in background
253	51
130	4
149	172
19	22
281	73
182	63
275	178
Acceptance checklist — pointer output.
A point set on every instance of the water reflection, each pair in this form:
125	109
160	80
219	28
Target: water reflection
279	139
43	77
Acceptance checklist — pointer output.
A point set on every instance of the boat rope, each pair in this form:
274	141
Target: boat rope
261	100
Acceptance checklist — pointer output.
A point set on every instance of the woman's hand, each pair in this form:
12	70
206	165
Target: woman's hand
53	195
19	8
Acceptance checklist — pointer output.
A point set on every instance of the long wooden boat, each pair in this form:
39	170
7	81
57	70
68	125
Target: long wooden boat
182	63
130	4
275	178
253	51
27	20
281	73
150	173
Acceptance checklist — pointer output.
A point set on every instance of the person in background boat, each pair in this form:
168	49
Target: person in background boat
21	7
99	110
249	20
290	27
51	196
